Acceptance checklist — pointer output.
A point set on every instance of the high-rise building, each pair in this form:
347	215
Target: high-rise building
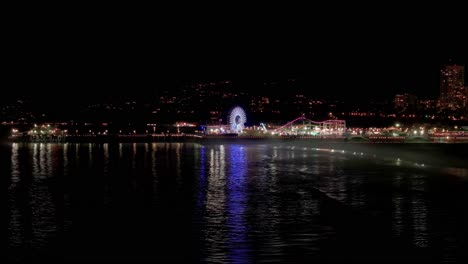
405	102
466	97
399	102
427	105
452	88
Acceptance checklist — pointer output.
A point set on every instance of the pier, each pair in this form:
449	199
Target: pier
181	137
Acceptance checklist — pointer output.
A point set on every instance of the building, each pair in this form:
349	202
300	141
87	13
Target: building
405	102
427	105
466	102
452	88
399	102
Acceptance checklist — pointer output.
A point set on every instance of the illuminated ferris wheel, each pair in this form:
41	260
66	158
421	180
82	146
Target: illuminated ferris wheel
237	119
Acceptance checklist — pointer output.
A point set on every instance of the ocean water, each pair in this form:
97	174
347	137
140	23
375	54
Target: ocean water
236	203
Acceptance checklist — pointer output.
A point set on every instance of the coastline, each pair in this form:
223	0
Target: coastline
451	155
214	139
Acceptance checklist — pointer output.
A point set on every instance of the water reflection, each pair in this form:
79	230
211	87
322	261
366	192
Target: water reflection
251	203
90	155
105	149
225	234
32	207
460	172
398	203
200	156
178	167
42	160
65	158
134	152
15	230
419	210
236	205
215	219
15	166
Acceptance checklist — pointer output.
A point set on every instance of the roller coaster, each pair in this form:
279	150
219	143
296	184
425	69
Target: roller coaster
305	126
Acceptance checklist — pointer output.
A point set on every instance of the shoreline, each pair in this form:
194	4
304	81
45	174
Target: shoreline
428	155
181	138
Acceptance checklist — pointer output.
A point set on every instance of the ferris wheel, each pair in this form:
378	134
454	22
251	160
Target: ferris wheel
237	119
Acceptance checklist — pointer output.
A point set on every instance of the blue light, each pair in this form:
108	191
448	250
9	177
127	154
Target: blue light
236	205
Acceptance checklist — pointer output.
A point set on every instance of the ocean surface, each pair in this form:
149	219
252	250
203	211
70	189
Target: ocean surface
236	203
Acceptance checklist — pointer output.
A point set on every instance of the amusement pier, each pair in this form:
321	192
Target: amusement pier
299	129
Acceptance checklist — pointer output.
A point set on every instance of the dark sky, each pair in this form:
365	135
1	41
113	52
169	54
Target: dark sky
347	53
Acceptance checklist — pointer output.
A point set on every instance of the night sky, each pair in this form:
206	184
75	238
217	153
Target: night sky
341	53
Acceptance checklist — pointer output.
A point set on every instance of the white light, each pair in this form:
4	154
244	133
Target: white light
237	119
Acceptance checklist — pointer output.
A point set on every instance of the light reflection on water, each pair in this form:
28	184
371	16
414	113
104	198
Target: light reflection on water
397	203
248	203
419	210
236	223
215	218
15	166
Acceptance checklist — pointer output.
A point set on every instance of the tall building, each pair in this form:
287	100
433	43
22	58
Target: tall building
466	102
405	102
399	102
427	105
452	88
